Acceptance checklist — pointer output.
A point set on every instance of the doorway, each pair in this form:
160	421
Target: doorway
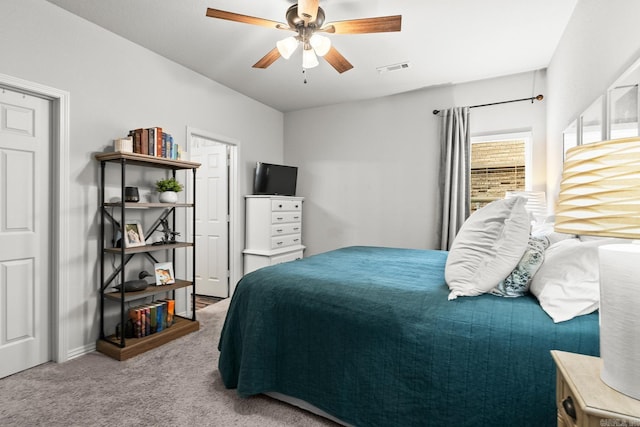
216	212
24	231
42	291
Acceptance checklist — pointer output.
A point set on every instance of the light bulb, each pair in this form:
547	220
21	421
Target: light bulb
320	44
309	59
287	46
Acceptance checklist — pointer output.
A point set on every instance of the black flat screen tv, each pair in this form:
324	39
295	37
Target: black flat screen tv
273	179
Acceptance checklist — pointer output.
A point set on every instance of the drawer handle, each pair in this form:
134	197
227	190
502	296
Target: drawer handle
296	206
296	217
279	243
296	228
296	240
279	230
567	404
279	218
279	206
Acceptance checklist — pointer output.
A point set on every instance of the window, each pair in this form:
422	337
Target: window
499	163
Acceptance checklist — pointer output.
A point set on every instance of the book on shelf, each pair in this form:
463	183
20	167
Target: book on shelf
156	310
154	142
170	309
134	315
136	134
147	321
150	318
160	316
158	141
144	142
169	312
150	324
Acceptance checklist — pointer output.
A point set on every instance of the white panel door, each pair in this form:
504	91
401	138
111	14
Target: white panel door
24	231
212	225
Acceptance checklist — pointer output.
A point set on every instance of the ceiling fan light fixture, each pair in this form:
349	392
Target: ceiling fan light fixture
309	59
305	18
287	46
320	44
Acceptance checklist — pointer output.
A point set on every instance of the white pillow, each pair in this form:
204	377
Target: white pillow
487	248
567	284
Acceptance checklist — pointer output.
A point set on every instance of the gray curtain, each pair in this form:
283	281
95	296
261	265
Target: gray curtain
455	172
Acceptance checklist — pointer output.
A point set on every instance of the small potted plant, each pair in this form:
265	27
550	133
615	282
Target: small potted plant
168	189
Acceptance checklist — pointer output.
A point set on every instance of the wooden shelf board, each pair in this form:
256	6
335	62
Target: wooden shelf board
151	290
149	248
110	346
139	205
146	160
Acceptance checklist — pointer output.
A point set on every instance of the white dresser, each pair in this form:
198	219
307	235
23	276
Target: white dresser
273	231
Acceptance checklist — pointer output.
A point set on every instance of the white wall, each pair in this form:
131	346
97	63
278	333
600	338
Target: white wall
115	86
599	44
369	170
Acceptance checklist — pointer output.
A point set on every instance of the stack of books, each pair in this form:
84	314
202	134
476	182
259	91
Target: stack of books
150	318
155	142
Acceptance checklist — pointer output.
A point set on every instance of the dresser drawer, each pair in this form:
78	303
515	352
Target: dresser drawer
291	256
284	241
584	400
564	394
287	228
286	205
273	230
281	217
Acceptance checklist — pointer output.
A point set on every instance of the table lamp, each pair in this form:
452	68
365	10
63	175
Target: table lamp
600	196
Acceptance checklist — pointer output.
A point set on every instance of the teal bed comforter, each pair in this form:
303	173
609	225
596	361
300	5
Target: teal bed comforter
367	335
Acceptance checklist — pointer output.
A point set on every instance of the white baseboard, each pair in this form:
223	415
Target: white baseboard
79	351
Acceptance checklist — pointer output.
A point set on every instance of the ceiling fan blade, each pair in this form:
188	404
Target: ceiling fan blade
382	24
308	10
246	19
337	61
268	59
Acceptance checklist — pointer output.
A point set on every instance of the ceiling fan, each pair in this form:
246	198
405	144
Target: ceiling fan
306	19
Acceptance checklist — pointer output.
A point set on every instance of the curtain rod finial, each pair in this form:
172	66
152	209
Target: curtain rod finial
539	98
436	111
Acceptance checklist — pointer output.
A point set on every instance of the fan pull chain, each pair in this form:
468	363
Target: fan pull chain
304	73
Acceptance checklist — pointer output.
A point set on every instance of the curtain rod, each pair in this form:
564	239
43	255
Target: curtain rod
533	98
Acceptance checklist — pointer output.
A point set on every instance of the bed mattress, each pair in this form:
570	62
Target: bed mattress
367	335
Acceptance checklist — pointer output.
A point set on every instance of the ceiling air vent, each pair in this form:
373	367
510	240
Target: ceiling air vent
394	67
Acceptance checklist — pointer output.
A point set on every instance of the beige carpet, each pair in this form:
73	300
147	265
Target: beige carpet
177	384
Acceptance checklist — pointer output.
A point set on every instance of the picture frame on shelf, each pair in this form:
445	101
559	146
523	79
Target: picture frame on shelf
133	234
164	273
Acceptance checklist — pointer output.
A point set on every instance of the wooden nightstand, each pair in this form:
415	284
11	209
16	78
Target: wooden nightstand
582	398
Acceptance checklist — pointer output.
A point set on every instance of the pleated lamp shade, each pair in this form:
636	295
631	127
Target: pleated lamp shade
600	196
600	190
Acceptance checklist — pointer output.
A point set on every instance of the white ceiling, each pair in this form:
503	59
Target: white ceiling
444	41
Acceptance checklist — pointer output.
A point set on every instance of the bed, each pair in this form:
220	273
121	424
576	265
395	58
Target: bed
367	335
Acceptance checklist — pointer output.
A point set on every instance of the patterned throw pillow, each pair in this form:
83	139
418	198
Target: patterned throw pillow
517	283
